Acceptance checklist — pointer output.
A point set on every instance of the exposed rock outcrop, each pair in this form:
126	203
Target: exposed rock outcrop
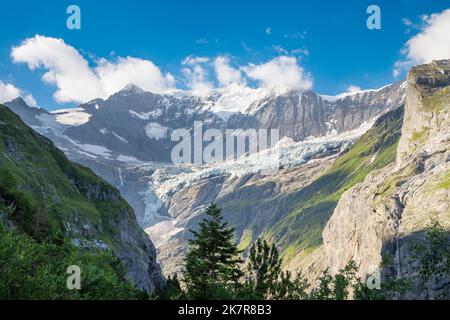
388	212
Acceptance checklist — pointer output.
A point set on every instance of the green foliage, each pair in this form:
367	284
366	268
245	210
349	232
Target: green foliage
438	101
246	239
444	182
419	136
336	287
263	277
432	257
45	201
47	189
37	270
264	268
172	290
212	261
289	288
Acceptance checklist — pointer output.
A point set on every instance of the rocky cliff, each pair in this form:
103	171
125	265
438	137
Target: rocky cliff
387	213
54	196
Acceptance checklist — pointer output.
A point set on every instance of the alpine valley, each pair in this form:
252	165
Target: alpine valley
361	174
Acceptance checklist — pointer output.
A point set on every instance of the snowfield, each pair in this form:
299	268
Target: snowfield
73	117
155	131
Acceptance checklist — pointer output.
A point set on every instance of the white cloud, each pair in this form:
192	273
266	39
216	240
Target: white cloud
225	73
67	69
268	30
76	81
280	49
431	43
114	76
9	92
400	66
193	60
353	89
407	22
195	75
29	99
300	52
282	72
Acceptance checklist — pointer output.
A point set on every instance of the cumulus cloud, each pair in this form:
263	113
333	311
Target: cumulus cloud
29	99
431	43
282	72
143	73
196	75
9	92
79	80
353	89
225	73
76	81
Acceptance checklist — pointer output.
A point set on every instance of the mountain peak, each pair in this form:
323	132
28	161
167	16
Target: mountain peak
132	88
19	101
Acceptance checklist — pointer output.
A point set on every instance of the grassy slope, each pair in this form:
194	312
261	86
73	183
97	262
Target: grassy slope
51	195
48	189
300	230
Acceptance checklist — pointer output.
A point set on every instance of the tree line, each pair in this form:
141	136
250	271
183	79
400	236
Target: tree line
214	269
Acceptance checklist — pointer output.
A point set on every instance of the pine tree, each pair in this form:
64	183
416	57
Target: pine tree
172	290
264	267
212	261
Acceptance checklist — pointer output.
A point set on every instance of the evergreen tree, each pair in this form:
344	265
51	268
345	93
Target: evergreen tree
212	261
289	288
264	267
171	291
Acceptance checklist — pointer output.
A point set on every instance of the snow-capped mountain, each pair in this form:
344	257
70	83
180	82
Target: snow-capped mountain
138	124
126	139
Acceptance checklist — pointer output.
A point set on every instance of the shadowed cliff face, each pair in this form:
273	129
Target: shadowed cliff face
389	210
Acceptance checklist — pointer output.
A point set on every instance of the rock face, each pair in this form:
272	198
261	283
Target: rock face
63	197
299	115
388	212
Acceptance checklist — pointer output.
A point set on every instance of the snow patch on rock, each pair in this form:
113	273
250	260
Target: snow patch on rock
155	131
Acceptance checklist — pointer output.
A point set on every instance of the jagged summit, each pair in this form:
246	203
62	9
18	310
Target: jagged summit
19	101
132	88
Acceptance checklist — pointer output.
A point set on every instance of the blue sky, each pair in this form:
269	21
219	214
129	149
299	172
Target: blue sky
341	51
